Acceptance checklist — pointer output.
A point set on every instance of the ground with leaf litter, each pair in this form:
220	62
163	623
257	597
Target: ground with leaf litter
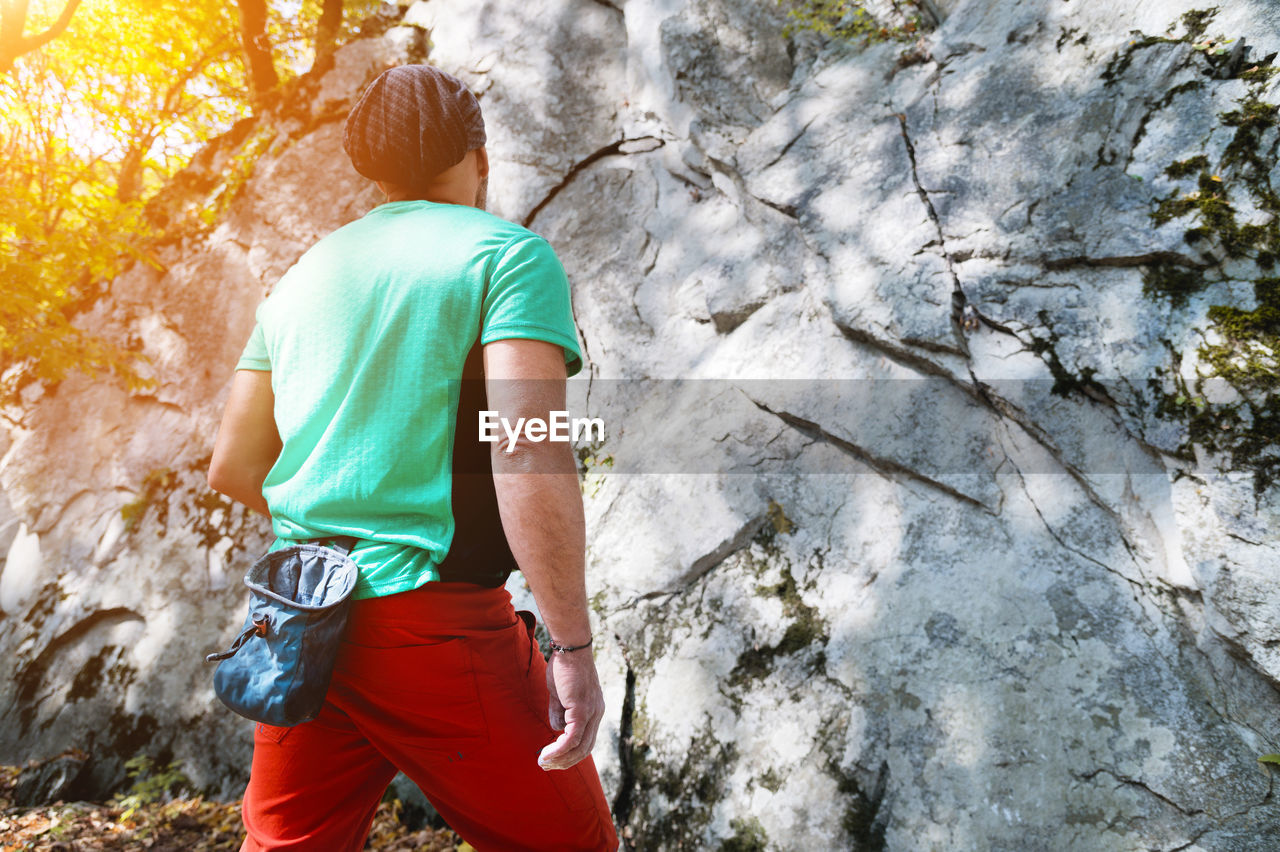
186	824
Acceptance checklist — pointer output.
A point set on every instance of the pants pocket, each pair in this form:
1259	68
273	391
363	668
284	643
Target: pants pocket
576	786
534	669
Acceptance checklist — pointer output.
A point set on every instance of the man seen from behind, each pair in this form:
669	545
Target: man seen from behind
348	416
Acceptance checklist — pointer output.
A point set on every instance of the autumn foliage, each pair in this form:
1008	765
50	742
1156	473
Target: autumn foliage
184	822
102	102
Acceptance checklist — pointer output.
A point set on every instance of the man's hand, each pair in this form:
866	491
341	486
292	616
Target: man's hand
577	706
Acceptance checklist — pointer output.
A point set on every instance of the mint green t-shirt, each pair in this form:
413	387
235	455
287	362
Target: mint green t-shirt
365	337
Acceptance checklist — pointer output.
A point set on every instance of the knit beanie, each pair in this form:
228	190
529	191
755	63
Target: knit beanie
411	124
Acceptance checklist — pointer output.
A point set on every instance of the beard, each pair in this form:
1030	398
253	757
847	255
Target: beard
482	193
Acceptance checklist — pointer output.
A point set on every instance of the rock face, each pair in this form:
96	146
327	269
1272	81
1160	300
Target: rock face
932	546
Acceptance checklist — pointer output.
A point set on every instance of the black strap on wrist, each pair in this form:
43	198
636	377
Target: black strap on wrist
557	648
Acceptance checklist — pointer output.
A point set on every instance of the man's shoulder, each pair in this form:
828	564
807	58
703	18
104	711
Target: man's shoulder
483	223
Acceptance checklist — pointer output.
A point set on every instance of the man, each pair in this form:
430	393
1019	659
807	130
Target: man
342	420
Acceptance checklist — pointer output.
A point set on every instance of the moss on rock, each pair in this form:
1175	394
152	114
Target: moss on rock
1241	348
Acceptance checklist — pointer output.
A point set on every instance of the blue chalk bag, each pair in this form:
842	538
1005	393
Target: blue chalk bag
278	669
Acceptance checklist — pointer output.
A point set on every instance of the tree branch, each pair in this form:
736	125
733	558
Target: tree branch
13	20
257	47
328	26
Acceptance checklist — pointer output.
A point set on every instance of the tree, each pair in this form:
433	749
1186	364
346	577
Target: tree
13	24
314	29
99	109
327	27
60	227
257	47
94	123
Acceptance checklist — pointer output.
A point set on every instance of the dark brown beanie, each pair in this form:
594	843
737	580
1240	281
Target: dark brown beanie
412	123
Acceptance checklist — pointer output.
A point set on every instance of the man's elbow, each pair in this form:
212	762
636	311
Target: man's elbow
218	478
523	456
223	478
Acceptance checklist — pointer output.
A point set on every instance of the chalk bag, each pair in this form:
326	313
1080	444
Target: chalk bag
277	671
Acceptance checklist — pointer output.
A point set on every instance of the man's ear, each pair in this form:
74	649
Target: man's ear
482	162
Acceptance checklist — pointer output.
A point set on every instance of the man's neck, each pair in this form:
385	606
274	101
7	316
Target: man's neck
434	197
442	197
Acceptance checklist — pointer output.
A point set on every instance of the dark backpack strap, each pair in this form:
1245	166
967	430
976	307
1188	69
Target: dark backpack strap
343	543
479	552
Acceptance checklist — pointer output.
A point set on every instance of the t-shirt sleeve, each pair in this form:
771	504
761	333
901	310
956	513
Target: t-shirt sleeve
254	356
528	297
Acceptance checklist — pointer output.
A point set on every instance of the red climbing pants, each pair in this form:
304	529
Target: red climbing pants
446	684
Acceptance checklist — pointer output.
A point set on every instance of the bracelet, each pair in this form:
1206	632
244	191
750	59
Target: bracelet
557	648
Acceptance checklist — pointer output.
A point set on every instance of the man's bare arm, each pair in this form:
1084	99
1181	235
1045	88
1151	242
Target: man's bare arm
541	507
248	442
